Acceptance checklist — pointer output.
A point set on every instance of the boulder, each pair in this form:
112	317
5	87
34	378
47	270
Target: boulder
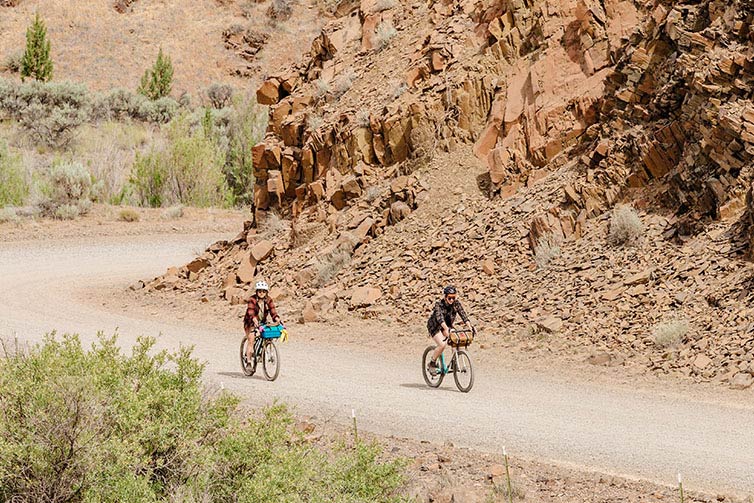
399	210
365	296
742	380
262	250
197	264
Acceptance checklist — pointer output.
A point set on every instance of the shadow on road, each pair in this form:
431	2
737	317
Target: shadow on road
240	375
416	385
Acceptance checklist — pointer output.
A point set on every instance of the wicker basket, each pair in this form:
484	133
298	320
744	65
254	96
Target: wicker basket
461	339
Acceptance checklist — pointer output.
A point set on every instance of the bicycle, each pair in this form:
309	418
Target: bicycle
265	350
459	366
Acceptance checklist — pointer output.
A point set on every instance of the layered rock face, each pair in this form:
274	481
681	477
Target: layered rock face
568	108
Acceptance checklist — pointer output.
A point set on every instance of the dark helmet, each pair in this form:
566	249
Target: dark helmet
449	290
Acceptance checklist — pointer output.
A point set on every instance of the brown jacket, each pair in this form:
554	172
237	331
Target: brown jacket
256	308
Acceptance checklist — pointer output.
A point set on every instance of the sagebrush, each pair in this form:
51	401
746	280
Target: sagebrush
102	425
625	226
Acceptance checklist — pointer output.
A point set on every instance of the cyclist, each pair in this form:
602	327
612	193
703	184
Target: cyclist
259	307
441	321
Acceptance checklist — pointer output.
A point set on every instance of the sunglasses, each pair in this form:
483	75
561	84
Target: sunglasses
450	297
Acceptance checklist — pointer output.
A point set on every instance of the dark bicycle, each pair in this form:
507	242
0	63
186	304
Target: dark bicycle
459	366
265	350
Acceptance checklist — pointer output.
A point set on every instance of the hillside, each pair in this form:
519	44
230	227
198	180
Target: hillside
487	144
103	47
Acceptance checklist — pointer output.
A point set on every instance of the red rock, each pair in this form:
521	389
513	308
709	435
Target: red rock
262	250
365	296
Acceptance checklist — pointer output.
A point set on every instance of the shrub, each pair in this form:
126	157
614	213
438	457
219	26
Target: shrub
669	333
173	213
219	95
157	82
246	126
373	193
9	215
321	88
36	62
101	425
280	10
13	186
49	112
363	118
381	5
188	171
546	249
128	215
66	212
331	264
344	83
625	226
385	33
314	121
117	104
12	62
68	190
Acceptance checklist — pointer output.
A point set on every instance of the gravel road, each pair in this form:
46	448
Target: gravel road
634	433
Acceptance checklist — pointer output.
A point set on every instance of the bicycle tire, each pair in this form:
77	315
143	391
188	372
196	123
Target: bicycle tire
461	367
432	381
247	367
270	350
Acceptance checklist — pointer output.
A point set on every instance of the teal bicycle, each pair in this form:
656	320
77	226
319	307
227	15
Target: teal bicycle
459	365
265	351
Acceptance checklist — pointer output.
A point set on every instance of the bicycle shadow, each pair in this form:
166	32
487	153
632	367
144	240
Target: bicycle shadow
416	385
241	375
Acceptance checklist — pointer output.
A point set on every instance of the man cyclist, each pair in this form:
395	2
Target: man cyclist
441	321
259	307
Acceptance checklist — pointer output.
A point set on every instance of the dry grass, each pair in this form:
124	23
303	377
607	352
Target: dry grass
363	118
172	213
547	249
331	264
9	215
321	88
669	333
625	226
344	82
385	33
128	215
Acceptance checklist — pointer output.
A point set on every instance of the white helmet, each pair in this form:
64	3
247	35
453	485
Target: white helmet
262	285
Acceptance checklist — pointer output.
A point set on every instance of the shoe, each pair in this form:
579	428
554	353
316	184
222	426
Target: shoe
433	368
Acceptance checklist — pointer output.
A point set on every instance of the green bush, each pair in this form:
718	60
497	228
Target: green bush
13	186
49	112
117	104
157	82
36	62
246	125
101	425
188	171
67	188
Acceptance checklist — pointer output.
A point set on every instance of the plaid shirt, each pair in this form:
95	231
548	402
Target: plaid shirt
253	309
445	313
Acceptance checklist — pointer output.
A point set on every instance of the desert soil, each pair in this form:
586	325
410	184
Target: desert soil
576	432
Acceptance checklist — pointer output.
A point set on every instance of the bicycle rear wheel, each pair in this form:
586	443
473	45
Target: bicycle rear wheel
248	367
463	374
270	360
432	379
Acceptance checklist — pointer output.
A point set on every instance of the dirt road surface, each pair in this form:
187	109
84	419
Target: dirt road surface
635	433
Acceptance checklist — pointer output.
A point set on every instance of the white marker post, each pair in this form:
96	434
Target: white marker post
508	476
355	431
680	486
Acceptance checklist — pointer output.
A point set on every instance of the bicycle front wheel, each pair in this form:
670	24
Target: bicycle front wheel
432	378
248	366
270	361
463	374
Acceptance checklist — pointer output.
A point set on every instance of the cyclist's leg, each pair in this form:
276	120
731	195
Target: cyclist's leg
439	339
250	336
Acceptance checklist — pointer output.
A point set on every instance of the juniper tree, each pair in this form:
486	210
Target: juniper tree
157	82
36	62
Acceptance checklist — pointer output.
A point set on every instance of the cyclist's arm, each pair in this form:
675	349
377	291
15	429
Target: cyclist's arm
462	314
273	311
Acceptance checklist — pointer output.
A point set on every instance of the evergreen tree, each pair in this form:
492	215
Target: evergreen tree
157	82
36	62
